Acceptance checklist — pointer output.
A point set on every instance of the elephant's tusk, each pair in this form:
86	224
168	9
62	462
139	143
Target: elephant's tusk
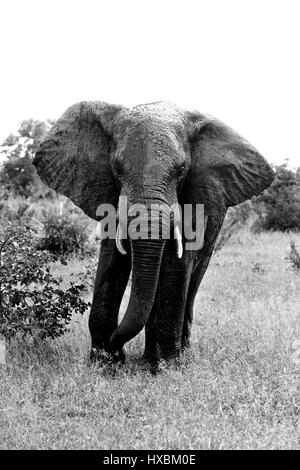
178	238
119	242
98	230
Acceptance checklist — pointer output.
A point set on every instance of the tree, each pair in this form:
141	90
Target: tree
17	173
281	202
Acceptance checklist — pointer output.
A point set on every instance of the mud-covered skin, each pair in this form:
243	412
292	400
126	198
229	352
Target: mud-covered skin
152	153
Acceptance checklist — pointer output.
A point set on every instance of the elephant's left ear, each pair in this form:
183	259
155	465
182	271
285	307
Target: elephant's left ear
226	169
74	158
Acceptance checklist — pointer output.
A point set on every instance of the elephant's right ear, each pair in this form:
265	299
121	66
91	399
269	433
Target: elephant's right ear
73	159
226	169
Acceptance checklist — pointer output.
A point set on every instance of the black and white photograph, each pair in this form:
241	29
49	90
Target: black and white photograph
149	228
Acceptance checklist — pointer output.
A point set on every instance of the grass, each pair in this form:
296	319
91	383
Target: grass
237	388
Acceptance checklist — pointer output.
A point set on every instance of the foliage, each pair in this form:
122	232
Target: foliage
87	273
32	301
64	235
17	173
294	257
13	206
278	207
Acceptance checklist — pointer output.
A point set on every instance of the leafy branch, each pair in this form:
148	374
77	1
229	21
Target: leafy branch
32	300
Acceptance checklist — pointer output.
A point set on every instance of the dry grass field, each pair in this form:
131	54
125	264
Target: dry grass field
237	388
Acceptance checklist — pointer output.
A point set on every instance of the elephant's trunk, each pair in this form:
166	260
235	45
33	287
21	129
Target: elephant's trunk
146	260
146	254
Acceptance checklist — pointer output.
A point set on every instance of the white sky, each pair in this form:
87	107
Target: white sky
235	59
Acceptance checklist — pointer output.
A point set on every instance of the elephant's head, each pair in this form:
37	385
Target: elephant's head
154	153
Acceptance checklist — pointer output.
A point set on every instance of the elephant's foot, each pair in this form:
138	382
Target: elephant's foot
161	359
99	355
170	353
151	354
153	364
185	344
163	365
149	360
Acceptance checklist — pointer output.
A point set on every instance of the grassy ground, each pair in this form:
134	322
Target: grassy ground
238	387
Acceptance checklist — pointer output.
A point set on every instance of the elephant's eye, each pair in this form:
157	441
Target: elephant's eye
181	172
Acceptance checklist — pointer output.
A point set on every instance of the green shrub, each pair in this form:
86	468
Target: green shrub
294	257
32	301
87	273
12	206
64	235
279	207
17	173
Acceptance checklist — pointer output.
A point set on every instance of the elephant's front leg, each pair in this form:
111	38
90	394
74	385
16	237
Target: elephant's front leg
173	288
200	265
199	269
111	280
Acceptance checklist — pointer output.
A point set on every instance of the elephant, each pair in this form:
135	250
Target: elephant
157	153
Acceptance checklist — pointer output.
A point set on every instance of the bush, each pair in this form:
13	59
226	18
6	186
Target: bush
17	174
64	235
294	257
279	207
87	274
12	206
32	300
